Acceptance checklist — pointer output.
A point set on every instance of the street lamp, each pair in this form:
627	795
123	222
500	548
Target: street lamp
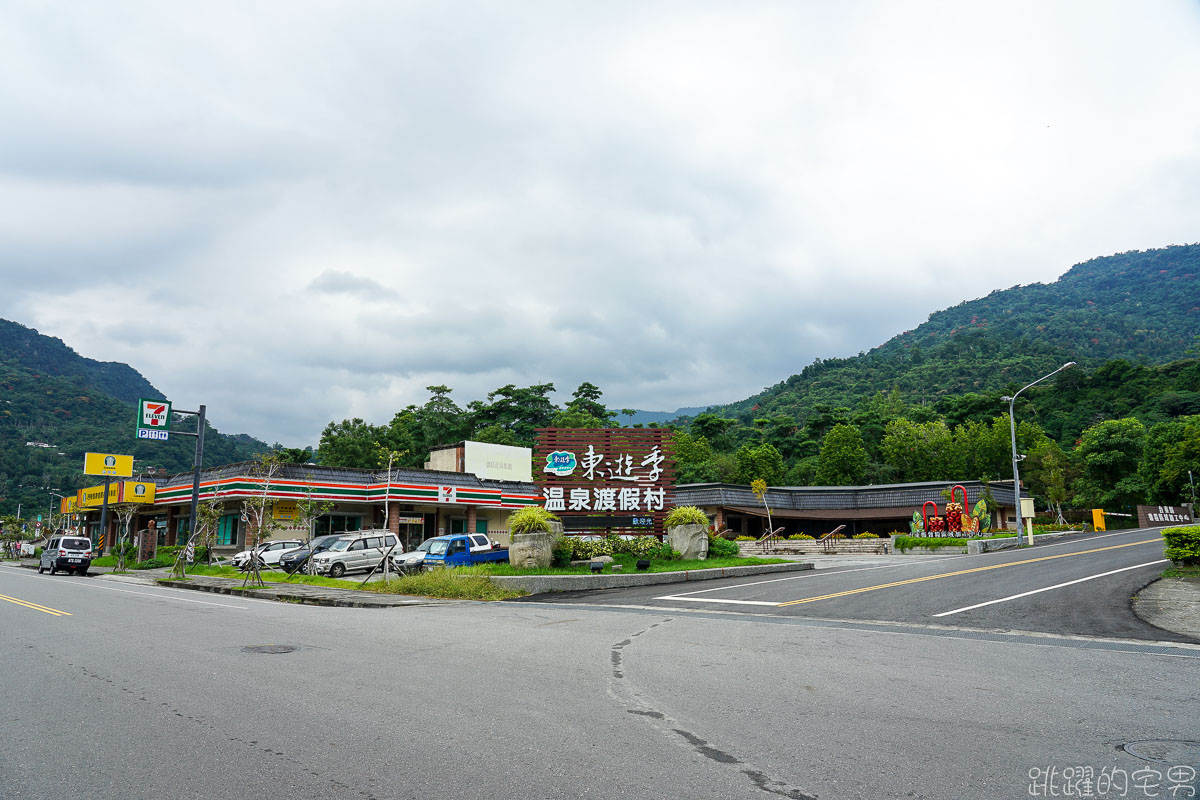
1012	427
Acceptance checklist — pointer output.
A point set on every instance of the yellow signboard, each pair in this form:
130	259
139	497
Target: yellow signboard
1098	519
284	511
68	505
108	464
137	492
93	496
118	492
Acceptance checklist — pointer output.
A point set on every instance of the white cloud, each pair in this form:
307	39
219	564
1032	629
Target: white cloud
302	212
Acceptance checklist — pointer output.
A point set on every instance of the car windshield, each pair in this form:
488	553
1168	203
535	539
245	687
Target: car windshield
76	544
436	546
339	545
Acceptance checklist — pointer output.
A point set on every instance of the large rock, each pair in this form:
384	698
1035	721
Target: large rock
530	549
691	541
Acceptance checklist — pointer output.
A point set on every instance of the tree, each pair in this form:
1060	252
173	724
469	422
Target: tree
350	443
843	459
576	419
258	508
586	399
1109	454
759	487
760	462
519	411
920	451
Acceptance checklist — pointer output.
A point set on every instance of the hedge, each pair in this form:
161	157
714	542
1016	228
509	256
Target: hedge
1183	544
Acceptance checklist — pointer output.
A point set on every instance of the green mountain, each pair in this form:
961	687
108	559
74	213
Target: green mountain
56	405
1141	306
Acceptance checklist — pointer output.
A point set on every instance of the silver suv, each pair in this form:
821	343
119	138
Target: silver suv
72	554
357	551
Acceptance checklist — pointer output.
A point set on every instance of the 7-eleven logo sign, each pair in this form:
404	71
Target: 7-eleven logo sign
154	419
154	415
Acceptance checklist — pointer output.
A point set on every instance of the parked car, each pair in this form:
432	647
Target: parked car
72	554
294	559
268	553
462	551
414	559
363	550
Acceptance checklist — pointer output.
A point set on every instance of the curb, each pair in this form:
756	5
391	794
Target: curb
538	584
268	593
977	546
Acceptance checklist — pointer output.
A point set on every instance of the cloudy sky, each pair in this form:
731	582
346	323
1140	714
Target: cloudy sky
296	212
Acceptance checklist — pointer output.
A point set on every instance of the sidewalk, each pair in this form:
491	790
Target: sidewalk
1172	604
282	592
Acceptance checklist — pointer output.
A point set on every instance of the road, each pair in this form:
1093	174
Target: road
1080	585
117	690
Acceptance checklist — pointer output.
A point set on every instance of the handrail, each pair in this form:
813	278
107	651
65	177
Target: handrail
769	538
828	539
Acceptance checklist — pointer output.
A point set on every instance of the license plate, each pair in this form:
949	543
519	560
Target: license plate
72	560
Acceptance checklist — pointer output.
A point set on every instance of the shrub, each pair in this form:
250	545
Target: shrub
864	536
530	519
37	552
800	537
903	543
685	515
1183	544
561	552
745	539
720	547
152	563
663	552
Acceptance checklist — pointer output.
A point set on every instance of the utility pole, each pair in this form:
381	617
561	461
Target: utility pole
1012	426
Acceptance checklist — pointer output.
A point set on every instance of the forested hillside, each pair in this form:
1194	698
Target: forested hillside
1142	307
76	405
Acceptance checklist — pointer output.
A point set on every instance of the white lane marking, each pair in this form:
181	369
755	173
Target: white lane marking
810	573
90	585
169	597
1048	588
681	598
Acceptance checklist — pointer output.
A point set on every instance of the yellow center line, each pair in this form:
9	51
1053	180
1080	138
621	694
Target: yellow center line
35	606
961	572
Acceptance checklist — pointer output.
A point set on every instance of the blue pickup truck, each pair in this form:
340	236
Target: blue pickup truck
462	550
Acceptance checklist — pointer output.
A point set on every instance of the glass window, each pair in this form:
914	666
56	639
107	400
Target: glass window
227	530
337	523
458	526
358	544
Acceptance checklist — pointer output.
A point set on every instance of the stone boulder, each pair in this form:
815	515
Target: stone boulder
530	549
691	541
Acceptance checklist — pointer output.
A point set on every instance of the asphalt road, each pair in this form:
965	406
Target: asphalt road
117	690
1077	586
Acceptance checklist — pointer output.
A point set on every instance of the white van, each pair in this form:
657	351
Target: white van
71	554
354	552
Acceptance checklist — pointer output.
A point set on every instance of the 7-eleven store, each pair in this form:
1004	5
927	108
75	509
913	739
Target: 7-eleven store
415	504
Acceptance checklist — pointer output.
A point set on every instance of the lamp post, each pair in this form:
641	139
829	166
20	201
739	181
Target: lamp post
1012	428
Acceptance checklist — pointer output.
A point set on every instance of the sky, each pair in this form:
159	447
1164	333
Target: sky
299	212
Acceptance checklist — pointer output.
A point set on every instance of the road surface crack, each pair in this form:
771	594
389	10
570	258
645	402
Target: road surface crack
635	702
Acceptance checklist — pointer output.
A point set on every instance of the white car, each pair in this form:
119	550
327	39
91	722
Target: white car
269	553
363	550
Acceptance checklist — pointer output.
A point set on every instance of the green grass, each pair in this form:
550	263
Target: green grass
272	576
629	564
453	584
1190	572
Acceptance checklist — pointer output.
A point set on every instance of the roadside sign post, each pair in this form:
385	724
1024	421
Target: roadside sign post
108	465
154	422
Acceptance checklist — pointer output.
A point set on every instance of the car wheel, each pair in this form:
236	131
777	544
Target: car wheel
81	572
41	569
53	569
337	570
